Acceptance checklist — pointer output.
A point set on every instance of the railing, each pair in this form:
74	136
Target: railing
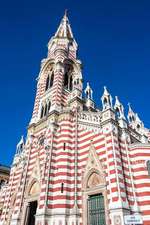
90	117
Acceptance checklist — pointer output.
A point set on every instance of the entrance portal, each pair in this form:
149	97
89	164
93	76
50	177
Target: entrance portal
96	210
31	213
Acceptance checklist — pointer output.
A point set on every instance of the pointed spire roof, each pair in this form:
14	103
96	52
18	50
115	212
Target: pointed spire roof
117	103
106	91
64	30
130	109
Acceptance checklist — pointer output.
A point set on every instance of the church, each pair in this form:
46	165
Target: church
79	164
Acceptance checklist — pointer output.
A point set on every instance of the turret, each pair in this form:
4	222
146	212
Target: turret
119	109
107	108
136	123
119	112
106	99
134	120
89	96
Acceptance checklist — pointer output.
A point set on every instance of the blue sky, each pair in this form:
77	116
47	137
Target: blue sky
114	46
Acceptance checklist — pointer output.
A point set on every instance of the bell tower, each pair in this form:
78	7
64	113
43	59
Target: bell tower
79	164
60	77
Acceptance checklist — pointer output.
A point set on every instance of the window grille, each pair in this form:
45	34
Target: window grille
96	210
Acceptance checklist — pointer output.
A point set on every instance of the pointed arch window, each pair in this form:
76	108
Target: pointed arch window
52	80
49	81
49	106
45	109
148	167
70	83
42	112
105	103
117	112
66	80
62	187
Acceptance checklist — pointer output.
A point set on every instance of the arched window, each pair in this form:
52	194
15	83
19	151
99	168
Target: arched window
45	109
1	183
45	112
49	106
130	119
66	80
148	167
87	94
70	83
47	83
117	113
105	103
52	80
62	187
42	112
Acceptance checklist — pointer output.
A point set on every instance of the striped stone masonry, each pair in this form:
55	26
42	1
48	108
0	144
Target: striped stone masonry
75	153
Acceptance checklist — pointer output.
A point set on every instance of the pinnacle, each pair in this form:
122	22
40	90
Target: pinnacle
106	91
129	105
117	101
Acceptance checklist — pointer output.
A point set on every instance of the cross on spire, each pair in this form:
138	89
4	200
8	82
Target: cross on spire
66	12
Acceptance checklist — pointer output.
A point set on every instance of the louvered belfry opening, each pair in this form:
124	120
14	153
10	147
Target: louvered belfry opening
96	210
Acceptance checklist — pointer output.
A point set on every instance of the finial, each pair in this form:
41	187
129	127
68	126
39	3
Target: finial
129	105
66	12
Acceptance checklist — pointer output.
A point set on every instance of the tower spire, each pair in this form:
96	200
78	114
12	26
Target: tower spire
63	38
64	30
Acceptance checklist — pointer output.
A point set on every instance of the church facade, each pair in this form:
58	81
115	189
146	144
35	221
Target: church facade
79	165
